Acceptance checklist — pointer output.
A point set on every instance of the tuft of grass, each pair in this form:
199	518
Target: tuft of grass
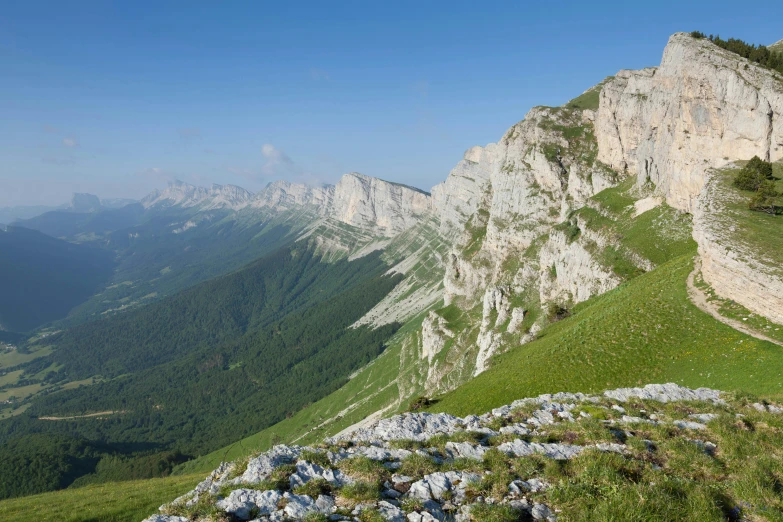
371	515
316	457
314	487
495	513
365	469
204	508
361	491
417	466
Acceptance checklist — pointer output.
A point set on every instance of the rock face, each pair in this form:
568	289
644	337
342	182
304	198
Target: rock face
751	278
702	108
367	202
85	203
434	490
370	204
512	192
184	195
283	195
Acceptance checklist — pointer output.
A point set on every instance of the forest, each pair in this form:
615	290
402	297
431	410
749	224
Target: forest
241	353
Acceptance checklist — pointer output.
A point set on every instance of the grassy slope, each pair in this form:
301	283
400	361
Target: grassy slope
646	330
756	235
112	502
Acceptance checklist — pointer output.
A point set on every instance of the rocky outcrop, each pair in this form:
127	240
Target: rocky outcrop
569	274
296	483
185	195
701	108
370	204
283	195
85	203
389	208
735	271
501	197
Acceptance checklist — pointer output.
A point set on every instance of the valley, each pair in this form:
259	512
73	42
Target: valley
602	244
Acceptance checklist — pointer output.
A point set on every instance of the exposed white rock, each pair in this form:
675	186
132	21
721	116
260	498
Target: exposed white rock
568	273
645	204
441	492
408	426
184	195
520	448
702	108
241	502
752	279
367	202
434	334
283	195
664	393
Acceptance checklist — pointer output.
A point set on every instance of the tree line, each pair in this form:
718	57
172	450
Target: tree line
759	54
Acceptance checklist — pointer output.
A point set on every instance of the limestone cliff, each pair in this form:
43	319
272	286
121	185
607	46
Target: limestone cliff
367	202
283	195
701	108
736	270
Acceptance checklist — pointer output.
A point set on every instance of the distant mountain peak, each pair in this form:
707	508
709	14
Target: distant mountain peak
180	193
82	202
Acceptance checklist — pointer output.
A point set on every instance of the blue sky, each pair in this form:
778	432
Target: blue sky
117	98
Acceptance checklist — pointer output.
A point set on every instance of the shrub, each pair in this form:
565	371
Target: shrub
419	403
765	197
752	175
557	312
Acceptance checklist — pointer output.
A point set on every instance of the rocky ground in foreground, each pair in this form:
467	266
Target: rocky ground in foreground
662	452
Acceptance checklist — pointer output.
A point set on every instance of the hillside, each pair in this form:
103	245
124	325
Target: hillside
43	278
603	239
596	245
273	336
566	455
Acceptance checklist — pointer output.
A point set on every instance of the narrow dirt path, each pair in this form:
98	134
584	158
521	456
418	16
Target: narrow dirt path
699	298
98	414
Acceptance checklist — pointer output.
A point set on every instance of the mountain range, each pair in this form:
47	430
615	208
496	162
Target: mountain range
603	243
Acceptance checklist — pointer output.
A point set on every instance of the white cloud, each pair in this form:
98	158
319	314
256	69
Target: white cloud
274	155
70	142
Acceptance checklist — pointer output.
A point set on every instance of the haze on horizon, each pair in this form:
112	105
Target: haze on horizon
115	99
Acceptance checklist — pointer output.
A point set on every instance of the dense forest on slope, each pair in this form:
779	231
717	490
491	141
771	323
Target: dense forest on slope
214	312
44	462
196	371
42	278
157	258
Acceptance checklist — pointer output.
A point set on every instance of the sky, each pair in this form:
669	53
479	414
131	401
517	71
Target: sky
118	98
